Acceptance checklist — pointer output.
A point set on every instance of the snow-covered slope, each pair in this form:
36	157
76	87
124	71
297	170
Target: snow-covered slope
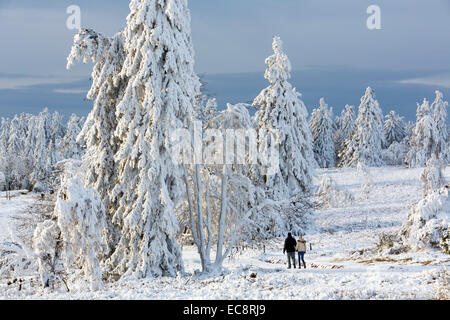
343	263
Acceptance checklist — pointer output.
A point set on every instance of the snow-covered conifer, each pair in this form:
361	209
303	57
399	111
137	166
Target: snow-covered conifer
144	88
282	117
439	108
345	126
57	132
159	98
16	140
210	110
423	142
43	133
366	141
69	148
4	136
321	126
394	129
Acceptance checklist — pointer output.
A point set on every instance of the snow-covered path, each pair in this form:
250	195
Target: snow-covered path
342	264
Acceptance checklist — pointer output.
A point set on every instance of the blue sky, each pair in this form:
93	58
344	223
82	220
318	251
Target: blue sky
327	41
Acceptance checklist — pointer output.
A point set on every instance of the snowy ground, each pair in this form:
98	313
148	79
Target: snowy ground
11	209
342	264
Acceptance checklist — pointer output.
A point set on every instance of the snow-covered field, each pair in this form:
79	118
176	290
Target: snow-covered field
342	265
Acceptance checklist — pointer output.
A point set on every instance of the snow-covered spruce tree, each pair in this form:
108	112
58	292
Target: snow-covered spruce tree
207	110
282	121
107	89
15	155
4	135
30	140
16	139
57	132
321	126
366	141
15	162
43	133
423	142
432	176
159	98
394	129
439	108
345	126
68	147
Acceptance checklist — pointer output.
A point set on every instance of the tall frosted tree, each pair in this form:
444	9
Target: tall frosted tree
321	125
4	137
43	133
16	139
159	97
344	128
365	143
283	117
423	142
439	108
144	87
57	132
394	129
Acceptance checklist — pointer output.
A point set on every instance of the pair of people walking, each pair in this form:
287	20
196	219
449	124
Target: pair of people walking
291	246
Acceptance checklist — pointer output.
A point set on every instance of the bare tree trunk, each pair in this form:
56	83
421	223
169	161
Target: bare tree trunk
222	217
200	220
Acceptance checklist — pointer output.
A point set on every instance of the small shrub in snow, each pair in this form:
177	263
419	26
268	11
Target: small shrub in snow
441	288
395	154
73	239
367	183
391	243
445	242
15	261
428	223
331	195
47	246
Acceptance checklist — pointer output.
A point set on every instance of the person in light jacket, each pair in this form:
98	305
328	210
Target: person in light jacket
301	249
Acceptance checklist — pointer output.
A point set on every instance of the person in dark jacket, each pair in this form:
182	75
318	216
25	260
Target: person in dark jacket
290	247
